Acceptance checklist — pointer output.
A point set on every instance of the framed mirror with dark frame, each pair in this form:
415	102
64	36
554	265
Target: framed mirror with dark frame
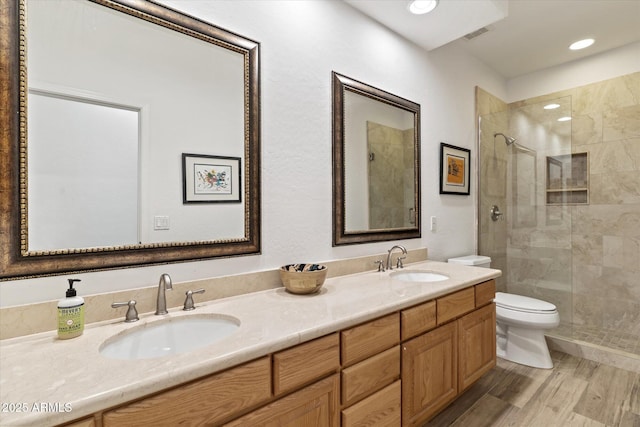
376	164
89	214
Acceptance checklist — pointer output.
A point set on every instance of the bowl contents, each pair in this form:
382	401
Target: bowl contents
303	278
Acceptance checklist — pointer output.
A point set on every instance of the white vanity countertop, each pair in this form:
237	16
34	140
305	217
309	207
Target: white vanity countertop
46	381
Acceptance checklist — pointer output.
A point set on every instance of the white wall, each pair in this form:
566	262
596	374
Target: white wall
301	43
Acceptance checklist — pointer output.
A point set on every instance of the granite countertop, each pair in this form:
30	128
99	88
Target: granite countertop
46	381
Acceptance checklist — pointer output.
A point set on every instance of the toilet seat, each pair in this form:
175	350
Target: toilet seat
523	304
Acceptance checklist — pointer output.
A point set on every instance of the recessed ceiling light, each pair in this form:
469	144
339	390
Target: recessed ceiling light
551	106
420	7
581	44
564	119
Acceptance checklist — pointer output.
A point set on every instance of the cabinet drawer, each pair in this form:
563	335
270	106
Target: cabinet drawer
370	338
455	305
417	320
206	401
305	363
485	292
85	422
370	375
315	405
380	410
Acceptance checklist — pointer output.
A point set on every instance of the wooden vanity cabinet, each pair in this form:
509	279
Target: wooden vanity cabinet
399	369
440	364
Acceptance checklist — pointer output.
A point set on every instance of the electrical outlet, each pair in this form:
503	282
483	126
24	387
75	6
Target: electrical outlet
434	224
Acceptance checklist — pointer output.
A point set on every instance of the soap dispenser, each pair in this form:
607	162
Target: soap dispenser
70	314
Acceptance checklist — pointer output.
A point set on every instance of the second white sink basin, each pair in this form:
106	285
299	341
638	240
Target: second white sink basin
169	336
418	276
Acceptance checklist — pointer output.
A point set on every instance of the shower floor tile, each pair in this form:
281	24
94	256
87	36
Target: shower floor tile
610	338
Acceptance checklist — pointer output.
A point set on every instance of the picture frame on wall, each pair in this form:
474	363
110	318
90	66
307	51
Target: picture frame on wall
455	165
211	179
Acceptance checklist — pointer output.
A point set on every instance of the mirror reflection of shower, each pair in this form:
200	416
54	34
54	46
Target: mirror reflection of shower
509	140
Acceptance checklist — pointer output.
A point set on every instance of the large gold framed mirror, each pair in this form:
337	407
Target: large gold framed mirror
376	164
102	102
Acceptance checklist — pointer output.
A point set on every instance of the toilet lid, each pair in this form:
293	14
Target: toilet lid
522	303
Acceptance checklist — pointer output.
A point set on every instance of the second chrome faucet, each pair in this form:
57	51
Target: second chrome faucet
161	302
400	258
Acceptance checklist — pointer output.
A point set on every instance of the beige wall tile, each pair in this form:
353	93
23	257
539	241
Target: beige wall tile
586	129
615	188
621	123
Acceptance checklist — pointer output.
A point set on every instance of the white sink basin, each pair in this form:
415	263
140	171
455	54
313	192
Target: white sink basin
418	276
170	336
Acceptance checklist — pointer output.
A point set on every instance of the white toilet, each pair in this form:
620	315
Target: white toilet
520	323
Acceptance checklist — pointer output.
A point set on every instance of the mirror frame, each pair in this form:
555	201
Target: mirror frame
16	262
340	85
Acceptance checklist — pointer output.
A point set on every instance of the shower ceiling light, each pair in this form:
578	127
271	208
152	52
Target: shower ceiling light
551	106
581	44
420	7
564	119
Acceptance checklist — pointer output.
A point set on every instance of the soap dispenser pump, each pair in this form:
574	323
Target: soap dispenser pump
70	313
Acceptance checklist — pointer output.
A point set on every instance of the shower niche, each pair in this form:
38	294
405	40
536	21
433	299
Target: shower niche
568	179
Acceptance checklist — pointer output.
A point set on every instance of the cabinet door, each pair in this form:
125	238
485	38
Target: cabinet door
316	405
476	345
429	374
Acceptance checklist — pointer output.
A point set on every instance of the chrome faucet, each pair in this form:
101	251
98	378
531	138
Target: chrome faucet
161	304
399	263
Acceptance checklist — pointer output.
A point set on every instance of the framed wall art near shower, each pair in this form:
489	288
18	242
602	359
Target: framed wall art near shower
455	164
210	179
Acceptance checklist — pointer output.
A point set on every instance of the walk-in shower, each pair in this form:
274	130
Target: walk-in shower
564	235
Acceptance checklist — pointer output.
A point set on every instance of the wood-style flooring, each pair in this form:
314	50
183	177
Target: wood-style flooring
576	392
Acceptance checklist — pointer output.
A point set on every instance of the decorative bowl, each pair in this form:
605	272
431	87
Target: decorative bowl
303	278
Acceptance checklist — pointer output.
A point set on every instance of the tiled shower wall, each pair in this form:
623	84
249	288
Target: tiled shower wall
583	258
606	233
392	150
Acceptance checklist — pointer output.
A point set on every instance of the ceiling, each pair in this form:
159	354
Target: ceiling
524	35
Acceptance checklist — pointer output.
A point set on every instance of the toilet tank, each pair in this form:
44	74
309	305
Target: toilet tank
473	260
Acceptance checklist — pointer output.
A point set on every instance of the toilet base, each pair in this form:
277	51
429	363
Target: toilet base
524	346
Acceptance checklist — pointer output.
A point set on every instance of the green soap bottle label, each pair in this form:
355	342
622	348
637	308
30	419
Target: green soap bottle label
70	319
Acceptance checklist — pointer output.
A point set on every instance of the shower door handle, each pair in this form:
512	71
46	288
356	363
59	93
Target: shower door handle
495	213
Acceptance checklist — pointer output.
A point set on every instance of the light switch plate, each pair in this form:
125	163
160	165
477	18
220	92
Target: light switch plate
160	222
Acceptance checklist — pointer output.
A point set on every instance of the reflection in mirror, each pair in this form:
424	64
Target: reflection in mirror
83	173
376	164
116	93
